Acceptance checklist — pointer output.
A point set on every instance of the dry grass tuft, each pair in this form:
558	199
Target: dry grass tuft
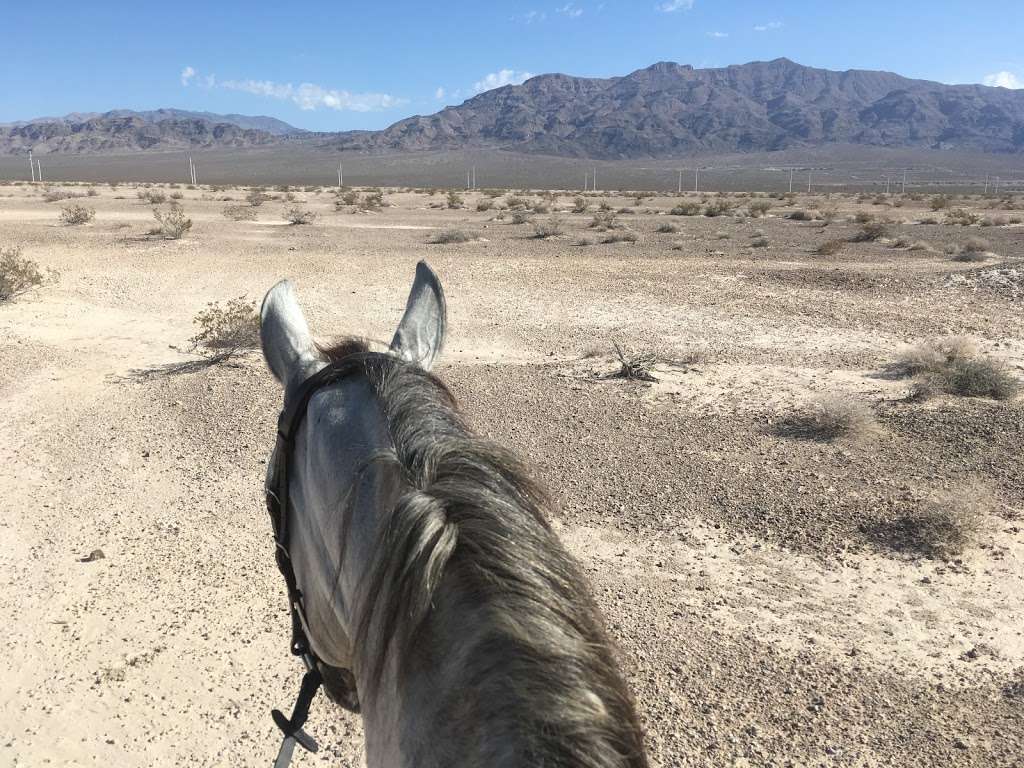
634	366
76	214
952	366
830	247
239	212
829	418
550	228
666	228
226	331
171	225
446	236
297	215
17	275
943	526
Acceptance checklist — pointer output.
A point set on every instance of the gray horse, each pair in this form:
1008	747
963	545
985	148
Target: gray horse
428	569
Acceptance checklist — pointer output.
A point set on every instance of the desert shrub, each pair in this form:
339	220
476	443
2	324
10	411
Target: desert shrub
634	366
938	203
718	208
583	241
863	217
298	215
604	206
828	215
802	215
759	242
484	205
446	236
225	331
971	377
17	275
91	192
620	236
172	225
351	197
373	200
604	220
152	196
976	245
256	198
514	202
579	205
541	208
552	227
828	418
53	195
830	247
722	236
934	355
966	254
76	214
176	195
521	217
685	208
943	525
454	199
239	212
759	208
666	228
960	217
874	230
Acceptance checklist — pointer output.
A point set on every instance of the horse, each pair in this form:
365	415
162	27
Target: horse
435	597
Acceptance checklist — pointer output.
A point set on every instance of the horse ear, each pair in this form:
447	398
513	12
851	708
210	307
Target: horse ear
420	335
287	344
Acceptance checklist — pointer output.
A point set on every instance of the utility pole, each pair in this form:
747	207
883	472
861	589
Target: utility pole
474	177
586	180
696	179
39	168
595	179
680	181
995	189
341	176
887	185
903	191
31	167
809	172
986	183
791	172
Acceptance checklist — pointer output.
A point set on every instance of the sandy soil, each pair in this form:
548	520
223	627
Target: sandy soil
764	617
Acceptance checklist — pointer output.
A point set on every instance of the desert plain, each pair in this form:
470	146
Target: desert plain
754	521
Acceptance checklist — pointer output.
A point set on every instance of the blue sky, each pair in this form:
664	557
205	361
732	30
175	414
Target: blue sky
339	65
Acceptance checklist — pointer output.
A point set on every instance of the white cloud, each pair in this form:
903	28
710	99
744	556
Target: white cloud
671	6
570	10
532	16
768	27
439	93
1004	79
718	35
500	78
307	96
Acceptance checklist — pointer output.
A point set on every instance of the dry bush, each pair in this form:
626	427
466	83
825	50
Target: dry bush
666	228
604	220
759	242
446	236
759	208
151	196
176	196
76	214
579	205
582	242
171	225
17	275
636	366
552	227
541	208
685	208
239	212
952	366
484	205
53	195
298	215
829	418
943	526
830	247
256	198
863	217
974	249
939	202
514	202
874	230
620	236
802	215
454	199
228	330
962	218
935	355
921	245
351	197
718	208
373	200
521	217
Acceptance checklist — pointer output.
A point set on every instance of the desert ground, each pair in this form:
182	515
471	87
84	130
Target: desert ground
754	521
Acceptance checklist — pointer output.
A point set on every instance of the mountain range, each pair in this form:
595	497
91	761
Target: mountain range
665	110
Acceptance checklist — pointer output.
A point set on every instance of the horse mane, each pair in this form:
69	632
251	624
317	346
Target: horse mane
537	660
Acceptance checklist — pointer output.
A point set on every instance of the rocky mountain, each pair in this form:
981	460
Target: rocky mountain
125	130
665	110
672	109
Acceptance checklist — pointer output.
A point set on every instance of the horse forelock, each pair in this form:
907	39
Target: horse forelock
537	667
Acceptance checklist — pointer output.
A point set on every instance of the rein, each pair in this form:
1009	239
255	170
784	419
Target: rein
288	424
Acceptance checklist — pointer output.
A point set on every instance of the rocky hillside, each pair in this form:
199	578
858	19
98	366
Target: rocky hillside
671	109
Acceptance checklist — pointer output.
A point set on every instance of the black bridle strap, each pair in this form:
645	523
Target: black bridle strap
288	424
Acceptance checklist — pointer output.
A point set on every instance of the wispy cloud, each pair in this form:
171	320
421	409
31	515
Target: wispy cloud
531	16
307	96
439	93
1004	79
718	35
768	27
671	6
500	78
571	10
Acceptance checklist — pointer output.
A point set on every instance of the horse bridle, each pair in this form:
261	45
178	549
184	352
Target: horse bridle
288	424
